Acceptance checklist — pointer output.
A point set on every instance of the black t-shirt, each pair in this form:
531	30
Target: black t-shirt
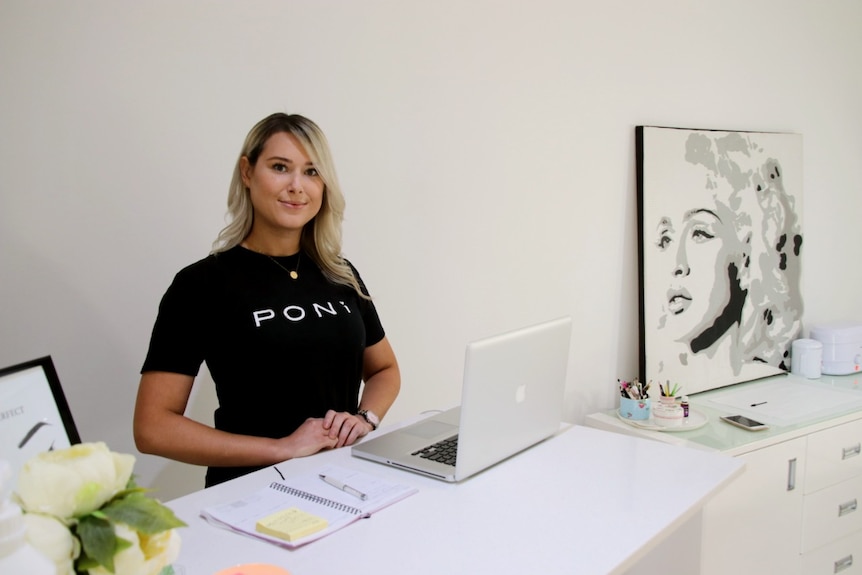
279	350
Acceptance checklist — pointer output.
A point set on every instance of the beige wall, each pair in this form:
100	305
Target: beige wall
486	149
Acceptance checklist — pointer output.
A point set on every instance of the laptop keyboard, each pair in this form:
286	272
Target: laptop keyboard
444	451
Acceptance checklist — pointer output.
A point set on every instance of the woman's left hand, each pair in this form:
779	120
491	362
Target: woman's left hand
345	427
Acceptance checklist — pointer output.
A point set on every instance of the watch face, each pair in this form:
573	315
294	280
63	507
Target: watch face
370	417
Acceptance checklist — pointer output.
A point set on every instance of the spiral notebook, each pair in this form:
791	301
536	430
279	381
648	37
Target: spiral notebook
313	497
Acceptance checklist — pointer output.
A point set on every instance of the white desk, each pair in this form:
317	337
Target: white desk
765	522
583	502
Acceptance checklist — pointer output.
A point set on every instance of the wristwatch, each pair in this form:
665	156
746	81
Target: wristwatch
369	417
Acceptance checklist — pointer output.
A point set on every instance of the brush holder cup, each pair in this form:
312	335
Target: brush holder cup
637	409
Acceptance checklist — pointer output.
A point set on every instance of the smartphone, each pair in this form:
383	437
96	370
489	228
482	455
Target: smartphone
744	422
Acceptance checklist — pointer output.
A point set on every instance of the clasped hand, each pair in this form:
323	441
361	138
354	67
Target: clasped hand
335	429
345	428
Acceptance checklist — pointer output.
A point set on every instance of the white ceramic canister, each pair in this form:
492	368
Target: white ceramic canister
806	358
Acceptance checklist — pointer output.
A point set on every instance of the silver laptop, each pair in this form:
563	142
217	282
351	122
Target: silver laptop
512	398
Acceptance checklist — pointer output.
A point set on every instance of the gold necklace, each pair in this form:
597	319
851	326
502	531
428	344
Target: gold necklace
294	273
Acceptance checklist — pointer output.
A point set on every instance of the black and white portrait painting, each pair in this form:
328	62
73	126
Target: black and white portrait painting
720	243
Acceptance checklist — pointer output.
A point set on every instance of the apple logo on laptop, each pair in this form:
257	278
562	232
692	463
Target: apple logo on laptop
521	393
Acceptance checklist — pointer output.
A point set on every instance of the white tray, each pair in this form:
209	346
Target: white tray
695	420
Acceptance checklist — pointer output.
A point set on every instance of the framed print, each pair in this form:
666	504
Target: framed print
720	239
34	415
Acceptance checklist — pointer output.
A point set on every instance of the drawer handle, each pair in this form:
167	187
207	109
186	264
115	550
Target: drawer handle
849	452
791	474
844	563
846	508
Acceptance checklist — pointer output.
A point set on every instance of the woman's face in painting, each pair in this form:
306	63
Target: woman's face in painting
696	244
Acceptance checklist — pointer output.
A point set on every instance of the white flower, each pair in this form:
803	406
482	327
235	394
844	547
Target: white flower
53	539
161	549
73	481
146	555
81	507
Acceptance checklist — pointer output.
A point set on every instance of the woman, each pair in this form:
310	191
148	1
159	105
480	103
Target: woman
283	322
730	305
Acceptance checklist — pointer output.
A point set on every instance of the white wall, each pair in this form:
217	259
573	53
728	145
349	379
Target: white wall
486	149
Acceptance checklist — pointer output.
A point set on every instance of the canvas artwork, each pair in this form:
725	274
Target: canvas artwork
720	230
34	415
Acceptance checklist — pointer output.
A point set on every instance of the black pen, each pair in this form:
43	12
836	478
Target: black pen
756	404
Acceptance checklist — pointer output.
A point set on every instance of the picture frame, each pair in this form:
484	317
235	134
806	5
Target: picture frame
34	414
720	239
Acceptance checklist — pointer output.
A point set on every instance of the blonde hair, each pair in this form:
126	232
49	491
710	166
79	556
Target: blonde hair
321	237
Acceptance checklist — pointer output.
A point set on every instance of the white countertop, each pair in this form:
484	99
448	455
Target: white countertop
583	502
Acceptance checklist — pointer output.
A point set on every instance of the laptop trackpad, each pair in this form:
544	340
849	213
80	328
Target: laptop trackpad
431	429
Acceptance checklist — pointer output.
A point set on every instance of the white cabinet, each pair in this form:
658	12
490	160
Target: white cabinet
797	507
752	525
831	539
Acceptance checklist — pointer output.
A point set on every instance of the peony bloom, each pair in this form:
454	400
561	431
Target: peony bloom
147	555
53	539
74	481
85	513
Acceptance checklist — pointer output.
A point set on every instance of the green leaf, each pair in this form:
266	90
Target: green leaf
99	542
128	491
143	514
84	563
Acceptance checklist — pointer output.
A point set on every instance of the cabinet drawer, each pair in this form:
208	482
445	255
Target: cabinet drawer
842	557
834	455
831	514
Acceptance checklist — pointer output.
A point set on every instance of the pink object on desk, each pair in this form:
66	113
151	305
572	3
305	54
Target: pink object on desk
254	569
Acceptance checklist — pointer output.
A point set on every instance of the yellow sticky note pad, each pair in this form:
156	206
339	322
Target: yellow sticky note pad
290	524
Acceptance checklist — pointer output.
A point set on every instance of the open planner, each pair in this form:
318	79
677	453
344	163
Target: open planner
304	508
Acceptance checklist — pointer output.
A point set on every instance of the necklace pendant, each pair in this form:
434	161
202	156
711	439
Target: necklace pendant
294	273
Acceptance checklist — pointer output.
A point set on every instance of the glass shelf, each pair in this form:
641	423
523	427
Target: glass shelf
724	437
